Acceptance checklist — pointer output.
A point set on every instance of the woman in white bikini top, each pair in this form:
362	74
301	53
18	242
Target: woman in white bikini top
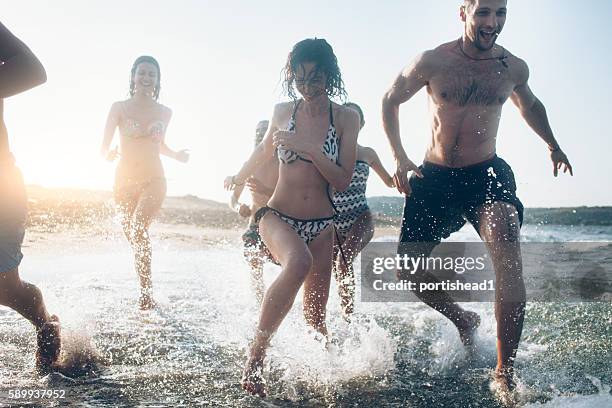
140	185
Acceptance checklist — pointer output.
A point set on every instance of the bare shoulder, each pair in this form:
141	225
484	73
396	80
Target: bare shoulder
440	53
426	60
282	112
366	154
445	48
165	111
519	70
345	115
120	104
117	108
424	65
162	107
283	107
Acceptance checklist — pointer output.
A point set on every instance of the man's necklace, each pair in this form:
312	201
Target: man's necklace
501	59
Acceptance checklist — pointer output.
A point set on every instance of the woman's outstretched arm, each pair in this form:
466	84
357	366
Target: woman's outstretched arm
263	152
371	157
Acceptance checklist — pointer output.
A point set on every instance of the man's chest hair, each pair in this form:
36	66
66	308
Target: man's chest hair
472	82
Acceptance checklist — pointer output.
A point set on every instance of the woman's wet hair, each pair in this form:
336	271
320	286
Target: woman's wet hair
319	52
356	107
150	60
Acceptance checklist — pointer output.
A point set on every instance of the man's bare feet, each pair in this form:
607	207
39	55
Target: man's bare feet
503	387
146	302
49	345
505	376
467	328
252	377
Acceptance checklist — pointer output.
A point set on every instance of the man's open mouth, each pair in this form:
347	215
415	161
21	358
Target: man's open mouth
488	35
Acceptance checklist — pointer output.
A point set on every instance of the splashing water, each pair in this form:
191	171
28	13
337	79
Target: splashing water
190	349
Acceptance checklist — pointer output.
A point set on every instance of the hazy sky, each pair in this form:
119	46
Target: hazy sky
221	64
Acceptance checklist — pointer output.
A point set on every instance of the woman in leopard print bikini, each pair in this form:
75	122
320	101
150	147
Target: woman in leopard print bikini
315	143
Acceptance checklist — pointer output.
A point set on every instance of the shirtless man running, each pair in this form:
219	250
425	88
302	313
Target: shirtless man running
468	80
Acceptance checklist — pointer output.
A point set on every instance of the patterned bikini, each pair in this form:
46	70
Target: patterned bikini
126	188
351	203
308	229
132	128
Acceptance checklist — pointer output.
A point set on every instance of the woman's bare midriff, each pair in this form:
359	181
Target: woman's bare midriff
139	162
301	192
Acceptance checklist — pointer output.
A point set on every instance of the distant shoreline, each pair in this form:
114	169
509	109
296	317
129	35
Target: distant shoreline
57	208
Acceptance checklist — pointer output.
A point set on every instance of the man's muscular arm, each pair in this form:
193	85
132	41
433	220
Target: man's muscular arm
20	70
414	77
534	113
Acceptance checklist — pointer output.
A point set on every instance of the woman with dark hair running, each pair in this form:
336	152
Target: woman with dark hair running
140	185
20	70
315	142
353	220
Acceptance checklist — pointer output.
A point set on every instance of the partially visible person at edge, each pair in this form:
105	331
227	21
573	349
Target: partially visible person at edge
353	221
468	80
261	184
20	70
140	184
315	141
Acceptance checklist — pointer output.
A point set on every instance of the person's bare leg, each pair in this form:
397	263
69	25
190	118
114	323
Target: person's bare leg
257	283
148	206
127	200
465	321
316	285
345	279
27	300
500	229
142	258
296	261
357	238
23	297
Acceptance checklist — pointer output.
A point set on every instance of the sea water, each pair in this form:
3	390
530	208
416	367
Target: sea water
190	350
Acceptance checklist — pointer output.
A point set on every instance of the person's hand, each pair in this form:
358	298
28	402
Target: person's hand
182	156
390	182
230	183
244	210
400	178
294	141
559	160
256	186
111	155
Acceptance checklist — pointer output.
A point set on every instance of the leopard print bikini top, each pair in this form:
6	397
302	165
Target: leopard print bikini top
329	148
